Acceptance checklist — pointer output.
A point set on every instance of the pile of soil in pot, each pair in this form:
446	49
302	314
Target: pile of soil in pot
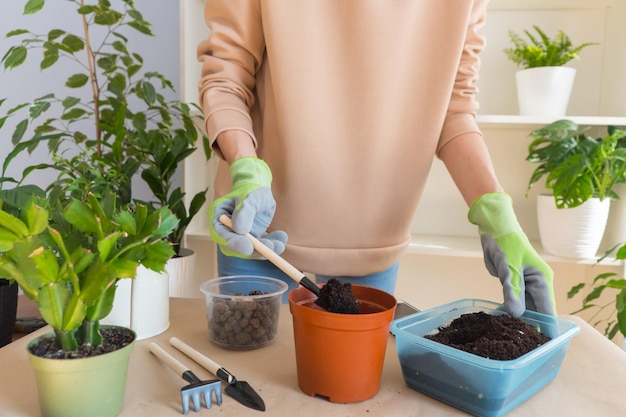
498	337
114	338
337	297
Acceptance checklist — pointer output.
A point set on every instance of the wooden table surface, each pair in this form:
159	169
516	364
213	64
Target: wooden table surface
591	381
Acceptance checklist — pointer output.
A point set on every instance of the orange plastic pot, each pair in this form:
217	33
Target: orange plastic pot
341	356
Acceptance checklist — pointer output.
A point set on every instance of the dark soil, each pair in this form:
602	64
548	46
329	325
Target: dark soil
114	338
338	298
498	337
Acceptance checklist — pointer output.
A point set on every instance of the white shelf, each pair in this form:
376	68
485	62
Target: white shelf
516	121
469	247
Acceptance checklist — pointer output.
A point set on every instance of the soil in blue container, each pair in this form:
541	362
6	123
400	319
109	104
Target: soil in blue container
498	337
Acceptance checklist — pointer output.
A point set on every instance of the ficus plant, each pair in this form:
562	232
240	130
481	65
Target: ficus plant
114	123
577	166
69	258
539	50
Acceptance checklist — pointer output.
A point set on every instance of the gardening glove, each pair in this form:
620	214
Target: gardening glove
251	207
527	280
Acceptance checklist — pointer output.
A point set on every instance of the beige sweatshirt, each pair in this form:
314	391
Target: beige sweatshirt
348	101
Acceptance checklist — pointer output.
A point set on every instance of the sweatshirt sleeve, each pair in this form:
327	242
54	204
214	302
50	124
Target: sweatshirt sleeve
461	113
230	58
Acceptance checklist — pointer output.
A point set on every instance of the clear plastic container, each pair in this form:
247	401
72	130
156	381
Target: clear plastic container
243	310
477	385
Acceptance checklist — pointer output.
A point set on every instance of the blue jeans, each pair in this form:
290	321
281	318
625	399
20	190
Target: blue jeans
230	265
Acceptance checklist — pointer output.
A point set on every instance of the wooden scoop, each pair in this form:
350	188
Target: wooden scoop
335	298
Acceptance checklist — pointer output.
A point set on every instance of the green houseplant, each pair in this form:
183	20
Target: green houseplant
609	316
581	172
97	133
115	123
575	165
539	50
544	83
67	256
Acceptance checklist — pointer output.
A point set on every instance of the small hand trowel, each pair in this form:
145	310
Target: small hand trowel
239	390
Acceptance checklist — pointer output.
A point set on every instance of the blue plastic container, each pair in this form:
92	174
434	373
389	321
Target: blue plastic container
480	386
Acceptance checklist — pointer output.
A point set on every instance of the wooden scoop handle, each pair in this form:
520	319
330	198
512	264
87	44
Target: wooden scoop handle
276	259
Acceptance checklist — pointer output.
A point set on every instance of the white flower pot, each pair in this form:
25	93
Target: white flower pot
142	304
181	274
544	91
572	232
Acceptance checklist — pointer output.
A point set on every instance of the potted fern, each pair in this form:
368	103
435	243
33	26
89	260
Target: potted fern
544	84
67	255
581	172
115	124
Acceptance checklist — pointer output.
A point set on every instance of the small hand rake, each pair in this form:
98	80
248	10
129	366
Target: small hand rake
196	388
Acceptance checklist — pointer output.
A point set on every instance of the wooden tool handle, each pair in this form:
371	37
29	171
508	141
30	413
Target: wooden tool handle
168	359
277	260
271	256
198	357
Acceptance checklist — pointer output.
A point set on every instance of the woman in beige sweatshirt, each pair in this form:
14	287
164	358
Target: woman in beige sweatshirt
327	115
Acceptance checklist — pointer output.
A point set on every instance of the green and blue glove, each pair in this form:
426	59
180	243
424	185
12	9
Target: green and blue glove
527	280
251	207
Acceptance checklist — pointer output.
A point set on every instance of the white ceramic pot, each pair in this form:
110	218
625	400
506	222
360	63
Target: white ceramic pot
572	232
544	91
142	304
181	274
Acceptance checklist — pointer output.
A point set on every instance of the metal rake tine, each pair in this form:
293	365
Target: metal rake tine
195	391
196	387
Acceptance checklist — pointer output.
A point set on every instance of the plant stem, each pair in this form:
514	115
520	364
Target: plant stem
93	77
91	333
66	339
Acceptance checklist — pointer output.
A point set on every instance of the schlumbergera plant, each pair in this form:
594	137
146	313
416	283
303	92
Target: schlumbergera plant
114	123
68	259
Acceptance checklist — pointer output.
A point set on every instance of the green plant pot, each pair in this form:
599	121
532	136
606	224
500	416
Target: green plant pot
86	387
8	311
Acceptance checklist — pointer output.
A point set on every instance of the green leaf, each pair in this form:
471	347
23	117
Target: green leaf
55	34
157	255
51	56
103	305
15	57
73	43
73	114
38	108
74	313
70	102
106	245
13	224
80	216
7	239
36	219
19	131
77	81
149	92
52	300
16	32
127	222
33	6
